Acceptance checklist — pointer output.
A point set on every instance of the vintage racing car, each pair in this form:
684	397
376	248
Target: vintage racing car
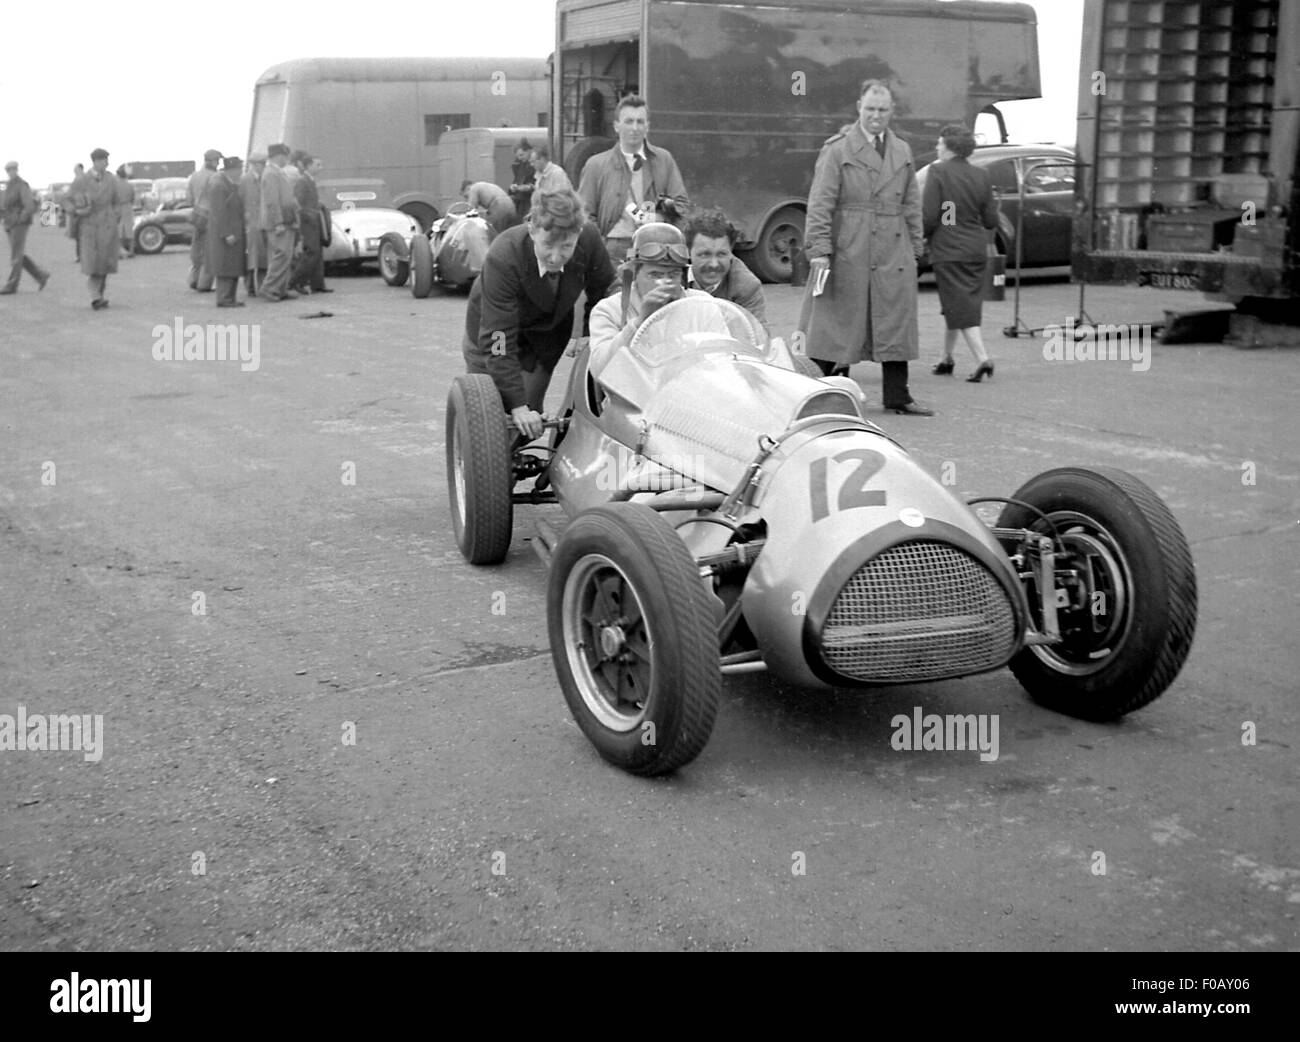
363	228
729	513
452	254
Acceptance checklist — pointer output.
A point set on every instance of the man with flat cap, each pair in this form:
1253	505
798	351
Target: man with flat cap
250	193
196	195
19	206
279	222
226	244
94	198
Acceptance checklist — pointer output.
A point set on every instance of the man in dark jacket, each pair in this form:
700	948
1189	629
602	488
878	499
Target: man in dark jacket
19	206
711	238
520	314
226	241
309	273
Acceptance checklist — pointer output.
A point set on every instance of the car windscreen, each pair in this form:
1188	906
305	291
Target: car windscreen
695	324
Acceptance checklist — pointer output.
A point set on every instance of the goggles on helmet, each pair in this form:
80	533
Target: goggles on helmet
672	251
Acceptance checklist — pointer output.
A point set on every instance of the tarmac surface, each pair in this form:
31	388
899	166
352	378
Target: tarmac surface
321	728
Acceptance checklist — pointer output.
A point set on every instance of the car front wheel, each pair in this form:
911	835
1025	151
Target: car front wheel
149	238
421	266
394	264
479	472
633	637
1129	606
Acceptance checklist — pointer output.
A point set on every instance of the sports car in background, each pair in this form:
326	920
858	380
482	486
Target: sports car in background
363	228
728	514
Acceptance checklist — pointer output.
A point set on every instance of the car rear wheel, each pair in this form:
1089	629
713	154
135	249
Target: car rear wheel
394	262
421	266
633	634
479	472
149	238
1131	611
772	258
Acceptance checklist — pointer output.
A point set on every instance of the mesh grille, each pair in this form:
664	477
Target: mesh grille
919	611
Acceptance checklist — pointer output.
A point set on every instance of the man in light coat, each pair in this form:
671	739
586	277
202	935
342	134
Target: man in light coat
196	195
226	248
95	198
632	184
279	222
250	193
19	205
863	237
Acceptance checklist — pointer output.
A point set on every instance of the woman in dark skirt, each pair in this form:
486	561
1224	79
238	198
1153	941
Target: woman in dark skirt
957	208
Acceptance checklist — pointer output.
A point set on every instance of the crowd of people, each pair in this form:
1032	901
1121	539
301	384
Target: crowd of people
867	228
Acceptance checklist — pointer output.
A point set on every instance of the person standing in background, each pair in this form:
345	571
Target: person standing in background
279	221
550	176
309	272
70	214
250	194
522	179
227	252
18	207
95	200
957	212
126	212
196	196
863	237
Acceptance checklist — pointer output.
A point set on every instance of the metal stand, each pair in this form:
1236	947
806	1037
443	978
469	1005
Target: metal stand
1019	327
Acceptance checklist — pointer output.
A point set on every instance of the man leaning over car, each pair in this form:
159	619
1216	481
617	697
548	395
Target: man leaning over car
520	314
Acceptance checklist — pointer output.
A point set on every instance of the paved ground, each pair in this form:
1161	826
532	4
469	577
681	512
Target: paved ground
228	811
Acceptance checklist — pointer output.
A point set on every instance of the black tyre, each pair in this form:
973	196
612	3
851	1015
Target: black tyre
479	472
634	637
394	261
805	365
1129	624
149	238
772	257
421	266
576	158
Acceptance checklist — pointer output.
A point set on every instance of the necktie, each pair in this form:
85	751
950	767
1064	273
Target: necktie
552	281
880	145
638	163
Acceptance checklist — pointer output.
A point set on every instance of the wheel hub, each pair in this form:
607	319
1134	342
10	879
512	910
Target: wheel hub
612	640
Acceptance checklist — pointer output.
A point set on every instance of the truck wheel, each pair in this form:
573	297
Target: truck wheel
394	262
149	238
1129	623
421	266
576	158
479	473
772	257
634	638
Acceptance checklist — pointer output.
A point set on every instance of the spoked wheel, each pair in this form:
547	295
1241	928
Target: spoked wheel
421	266
1131	598
479	471
633	636
394	263
149	238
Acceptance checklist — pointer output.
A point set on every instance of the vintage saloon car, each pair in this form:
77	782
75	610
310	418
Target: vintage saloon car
729	513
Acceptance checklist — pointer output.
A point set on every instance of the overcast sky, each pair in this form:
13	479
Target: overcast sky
167	81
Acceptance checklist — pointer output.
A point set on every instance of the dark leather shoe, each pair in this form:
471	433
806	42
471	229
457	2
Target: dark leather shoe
943	368
910	409
980	371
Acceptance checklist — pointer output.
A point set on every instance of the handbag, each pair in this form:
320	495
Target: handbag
326	227
995	273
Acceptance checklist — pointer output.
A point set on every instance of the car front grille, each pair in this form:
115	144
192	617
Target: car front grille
921	610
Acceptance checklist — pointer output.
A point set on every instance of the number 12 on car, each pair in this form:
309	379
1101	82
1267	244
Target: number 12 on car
853	490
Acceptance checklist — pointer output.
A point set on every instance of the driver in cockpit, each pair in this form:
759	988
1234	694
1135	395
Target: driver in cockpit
653	275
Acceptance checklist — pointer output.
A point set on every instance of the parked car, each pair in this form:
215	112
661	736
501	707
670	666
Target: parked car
453	252
729	513
363	226
171	224
1047	172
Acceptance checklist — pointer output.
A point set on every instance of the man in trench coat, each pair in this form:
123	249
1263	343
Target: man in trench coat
279	221
864	224
226	245
250	193
95	198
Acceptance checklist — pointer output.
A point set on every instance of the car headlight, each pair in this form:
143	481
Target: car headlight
372	244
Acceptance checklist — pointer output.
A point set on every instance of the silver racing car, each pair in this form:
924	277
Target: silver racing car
729	512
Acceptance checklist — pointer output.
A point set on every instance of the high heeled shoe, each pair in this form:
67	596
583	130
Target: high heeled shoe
980	371
943	368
